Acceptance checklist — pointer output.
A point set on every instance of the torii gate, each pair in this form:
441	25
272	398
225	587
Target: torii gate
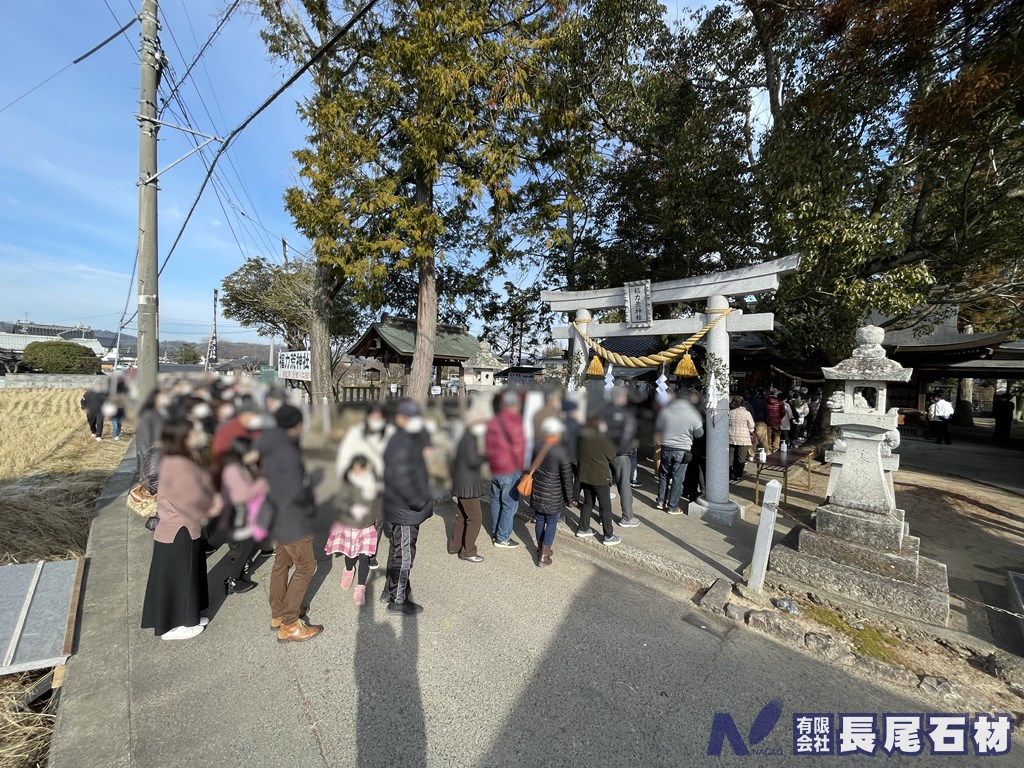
638	300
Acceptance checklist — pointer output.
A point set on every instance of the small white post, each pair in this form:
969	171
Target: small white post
765	530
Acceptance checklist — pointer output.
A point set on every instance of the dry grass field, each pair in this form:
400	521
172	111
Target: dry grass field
51	471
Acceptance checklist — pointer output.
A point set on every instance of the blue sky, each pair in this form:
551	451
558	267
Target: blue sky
69	162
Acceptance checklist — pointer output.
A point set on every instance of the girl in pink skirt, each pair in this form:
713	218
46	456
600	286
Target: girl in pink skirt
354	533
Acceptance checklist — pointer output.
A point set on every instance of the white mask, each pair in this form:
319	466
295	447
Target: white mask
414	424
366	483
376	425
479	429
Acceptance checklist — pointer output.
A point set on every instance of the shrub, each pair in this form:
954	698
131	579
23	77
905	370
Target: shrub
60	357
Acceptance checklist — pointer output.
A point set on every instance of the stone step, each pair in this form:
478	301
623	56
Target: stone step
893	594
866	558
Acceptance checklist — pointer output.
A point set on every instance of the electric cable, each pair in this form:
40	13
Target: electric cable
216	31
66	67
322	51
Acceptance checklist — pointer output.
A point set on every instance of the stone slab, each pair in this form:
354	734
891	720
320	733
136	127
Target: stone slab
717	596
924	603
776	625
869	529
887	672
867	558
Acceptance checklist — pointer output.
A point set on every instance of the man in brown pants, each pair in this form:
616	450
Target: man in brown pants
291	526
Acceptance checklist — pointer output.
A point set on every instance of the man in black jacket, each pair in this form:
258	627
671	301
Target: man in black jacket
291	526
92	404
407	503
621	423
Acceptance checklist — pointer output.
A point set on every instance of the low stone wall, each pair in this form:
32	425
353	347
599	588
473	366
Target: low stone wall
47	381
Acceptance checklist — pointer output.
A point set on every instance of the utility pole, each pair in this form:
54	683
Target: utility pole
149	329
284	250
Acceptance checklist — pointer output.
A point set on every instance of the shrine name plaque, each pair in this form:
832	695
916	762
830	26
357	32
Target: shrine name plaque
639	308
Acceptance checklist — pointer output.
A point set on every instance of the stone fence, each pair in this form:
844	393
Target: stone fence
47	381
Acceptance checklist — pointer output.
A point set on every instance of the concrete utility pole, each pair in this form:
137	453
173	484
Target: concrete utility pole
149	329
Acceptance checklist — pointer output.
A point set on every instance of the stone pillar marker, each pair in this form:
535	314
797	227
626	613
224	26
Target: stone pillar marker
765	531
861	547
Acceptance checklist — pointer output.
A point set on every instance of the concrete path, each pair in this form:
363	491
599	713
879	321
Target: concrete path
592	662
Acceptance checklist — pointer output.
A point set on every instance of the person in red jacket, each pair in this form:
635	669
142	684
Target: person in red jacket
506	453
776	409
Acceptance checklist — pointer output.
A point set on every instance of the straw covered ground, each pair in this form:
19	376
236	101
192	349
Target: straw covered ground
51	471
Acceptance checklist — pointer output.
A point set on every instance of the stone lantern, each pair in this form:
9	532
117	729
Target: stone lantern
861	547
478	372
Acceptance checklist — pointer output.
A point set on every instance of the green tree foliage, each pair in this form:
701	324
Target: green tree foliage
60	357
187	355
881	139
413	136
515	321
277	300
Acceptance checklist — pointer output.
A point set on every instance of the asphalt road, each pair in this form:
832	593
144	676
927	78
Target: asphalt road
580	664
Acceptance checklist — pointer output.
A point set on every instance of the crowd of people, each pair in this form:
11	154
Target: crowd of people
226	468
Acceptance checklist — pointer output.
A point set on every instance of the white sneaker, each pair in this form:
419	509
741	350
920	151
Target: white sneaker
117	438
203	621
182	633
99	439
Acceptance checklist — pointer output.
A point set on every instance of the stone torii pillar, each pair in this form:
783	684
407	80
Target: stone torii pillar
639	299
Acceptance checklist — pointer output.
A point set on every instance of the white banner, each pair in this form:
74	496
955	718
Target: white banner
294	365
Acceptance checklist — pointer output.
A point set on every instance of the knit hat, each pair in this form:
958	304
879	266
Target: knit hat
288	416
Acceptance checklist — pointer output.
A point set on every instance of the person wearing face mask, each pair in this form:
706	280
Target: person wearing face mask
596	455
177	590
354	533
291	525
467	488
552	486
148	424
369	438
407	504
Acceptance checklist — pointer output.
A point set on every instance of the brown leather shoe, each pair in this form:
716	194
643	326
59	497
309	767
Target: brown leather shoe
275	623
297	631
547	556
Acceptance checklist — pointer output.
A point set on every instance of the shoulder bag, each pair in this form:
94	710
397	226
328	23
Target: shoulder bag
525	484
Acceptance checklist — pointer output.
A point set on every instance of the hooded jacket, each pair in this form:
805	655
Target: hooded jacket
407	497
290	494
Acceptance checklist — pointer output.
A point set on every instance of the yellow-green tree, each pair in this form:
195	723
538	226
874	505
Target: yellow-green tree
413	136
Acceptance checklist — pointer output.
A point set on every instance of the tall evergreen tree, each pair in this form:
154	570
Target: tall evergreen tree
413	136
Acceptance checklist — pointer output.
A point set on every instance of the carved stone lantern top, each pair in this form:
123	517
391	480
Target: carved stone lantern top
484	360
868	362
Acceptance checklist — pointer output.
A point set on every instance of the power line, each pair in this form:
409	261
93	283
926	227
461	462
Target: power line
66	67
216	31
317	55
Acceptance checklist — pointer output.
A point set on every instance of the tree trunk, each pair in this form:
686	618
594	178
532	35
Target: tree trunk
570	271
320	338
426	312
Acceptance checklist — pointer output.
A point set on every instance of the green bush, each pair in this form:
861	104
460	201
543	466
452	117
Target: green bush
60	357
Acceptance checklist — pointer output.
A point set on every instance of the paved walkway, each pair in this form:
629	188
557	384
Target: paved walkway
596	661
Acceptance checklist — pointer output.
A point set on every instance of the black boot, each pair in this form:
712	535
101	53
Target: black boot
233	586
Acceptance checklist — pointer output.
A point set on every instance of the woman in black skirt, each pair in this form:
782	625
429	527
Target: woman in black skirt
177	590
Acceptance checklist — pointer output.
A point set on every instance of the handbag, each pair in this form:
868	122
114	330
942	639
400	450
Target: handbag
525	484
141	501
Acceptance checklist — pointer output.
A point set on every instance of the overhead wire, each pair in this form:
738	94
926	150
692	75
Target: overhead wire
68	66
322	51
202	50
